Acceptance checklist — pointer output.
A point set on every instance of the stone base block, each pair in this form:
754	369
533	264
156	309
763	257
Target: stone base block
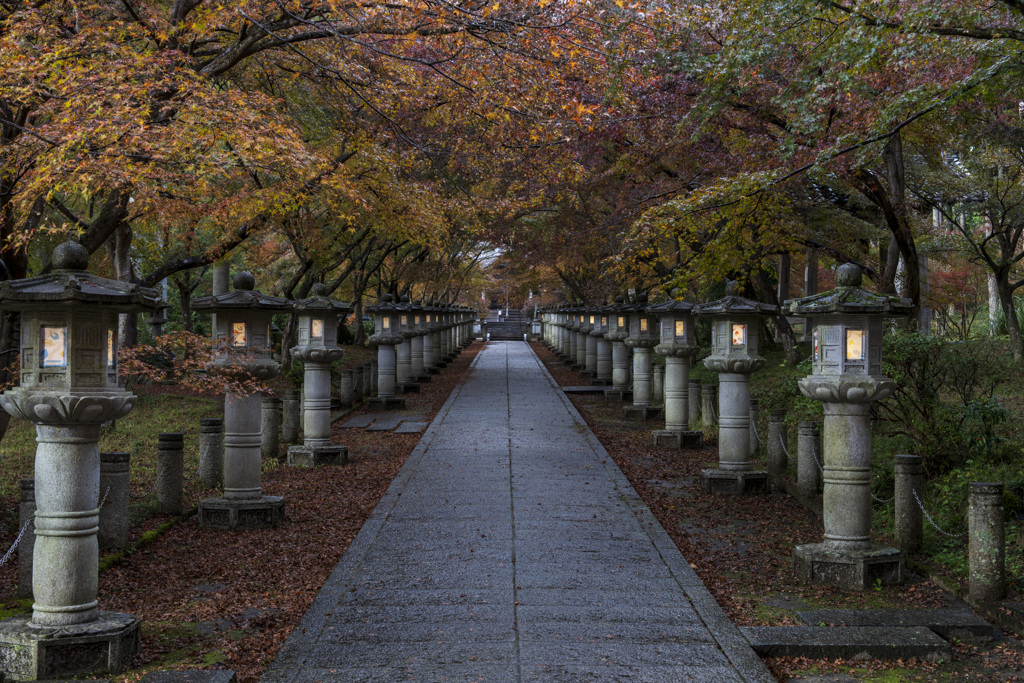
265	512
407	388
854	642
433	371
732	483
190	676
678	440
642	413
821	563
379	403
618	395
105	646
442	364
421	379
600	382
314	456
587	374
576	367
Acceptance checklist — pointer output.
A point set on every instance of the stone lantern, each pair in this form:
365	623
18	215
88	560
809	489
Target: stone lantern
847	377
603	363
618	330
317	326
418	343
241	336
643	336
430	334
404	383
734	341
591	317
386	335
679	346
68	388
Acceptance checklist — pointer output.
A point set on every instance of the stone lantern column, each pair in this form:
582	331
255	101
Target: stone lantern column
317	326
385	337
582	329
734	356
420	331
603	375
643	336
428	341
68	388
590	320
679	346
571	328
242	348
847	377
435	337
618	330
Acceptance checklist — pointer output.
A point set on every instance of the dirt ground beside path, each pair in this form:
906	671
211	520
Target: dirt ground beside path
742	550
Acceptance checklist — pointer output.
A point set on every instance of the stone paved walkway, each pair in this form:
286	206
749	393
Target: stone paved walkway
512	548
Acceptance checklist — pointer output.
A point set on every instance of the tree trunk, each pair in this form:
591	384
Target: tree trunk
1012	324
119	246
785	330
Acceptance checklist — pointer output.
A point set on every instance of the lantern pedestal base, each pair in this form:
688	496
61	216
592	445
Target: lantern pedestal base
822	564
314	456
588	374
733	483
104	646
618	395
385	403
576	367
407	388
421	379
433	371
677	440
265	512
643	413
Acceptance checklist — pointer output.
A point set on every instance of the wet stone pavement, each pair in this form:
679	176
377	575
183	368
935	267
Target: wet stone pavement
511	548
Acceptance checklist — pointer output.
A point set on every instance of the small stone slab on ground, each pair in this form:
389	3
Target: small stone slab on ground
411	427
385	423
948	622
190	676
854	642
360	421
584	390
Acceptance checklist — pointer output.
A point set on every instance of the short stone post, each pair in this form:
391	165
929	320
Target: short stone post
693	405
755	413
777	443
359	383
170	472
909	475
26	515
658	385
211	451
290	418
808	469
116	496
345	390
708	398
987	542
370	370
270	444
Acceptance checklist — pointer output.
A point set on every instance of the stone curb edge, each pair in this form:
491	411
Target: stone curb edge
737	649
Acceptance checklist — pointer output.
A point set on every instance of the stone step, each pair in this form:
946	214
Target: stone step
854	642
191	676
948	622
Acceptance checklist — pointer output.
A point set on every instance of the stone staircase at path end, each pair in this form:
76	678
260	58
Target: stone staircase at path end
511	326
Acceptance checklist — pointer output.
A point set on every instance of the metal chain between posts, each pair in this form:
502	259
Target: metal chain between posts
753	426
785	450
24	528
713	413
931	521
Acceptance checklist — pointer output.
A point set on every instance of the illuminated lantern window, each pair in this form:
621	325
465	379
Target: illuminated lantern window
238	334
816	347
53	353
680	328
604	321
591	320
405	320
386	323
855	345
739	335
110	347
317	328
621	322
643	324
416	320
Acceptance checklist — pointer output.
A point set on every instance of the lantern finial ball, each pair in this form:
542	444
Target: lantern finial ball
619	299
70	256
676	293
730	287
404	299
244	281
849	275
642	298
319	289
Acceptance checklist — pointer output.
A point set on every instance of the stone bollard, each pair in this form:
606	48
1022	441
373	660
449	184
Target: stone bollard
778	443
26	515
808	469
370	386
170	472
359	382
755	413
909	475
345	390
290	416
115	494
987	542
708	398
270	437
211	451
658	385
694	404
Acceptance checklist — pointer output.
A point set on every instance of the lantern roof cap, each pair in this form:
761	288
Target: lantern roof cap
71	283
848	298
243	296
385	305
673	305
318	302
733	304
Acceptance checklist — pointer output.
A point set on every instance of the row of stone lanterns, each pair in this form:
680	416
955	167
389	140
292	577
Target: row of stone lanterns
847	377
414	341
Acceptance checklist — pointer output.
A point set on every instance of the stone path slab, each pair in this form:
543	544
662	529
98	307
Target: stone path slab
511	548
385	424
359	421
948	622
852	642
